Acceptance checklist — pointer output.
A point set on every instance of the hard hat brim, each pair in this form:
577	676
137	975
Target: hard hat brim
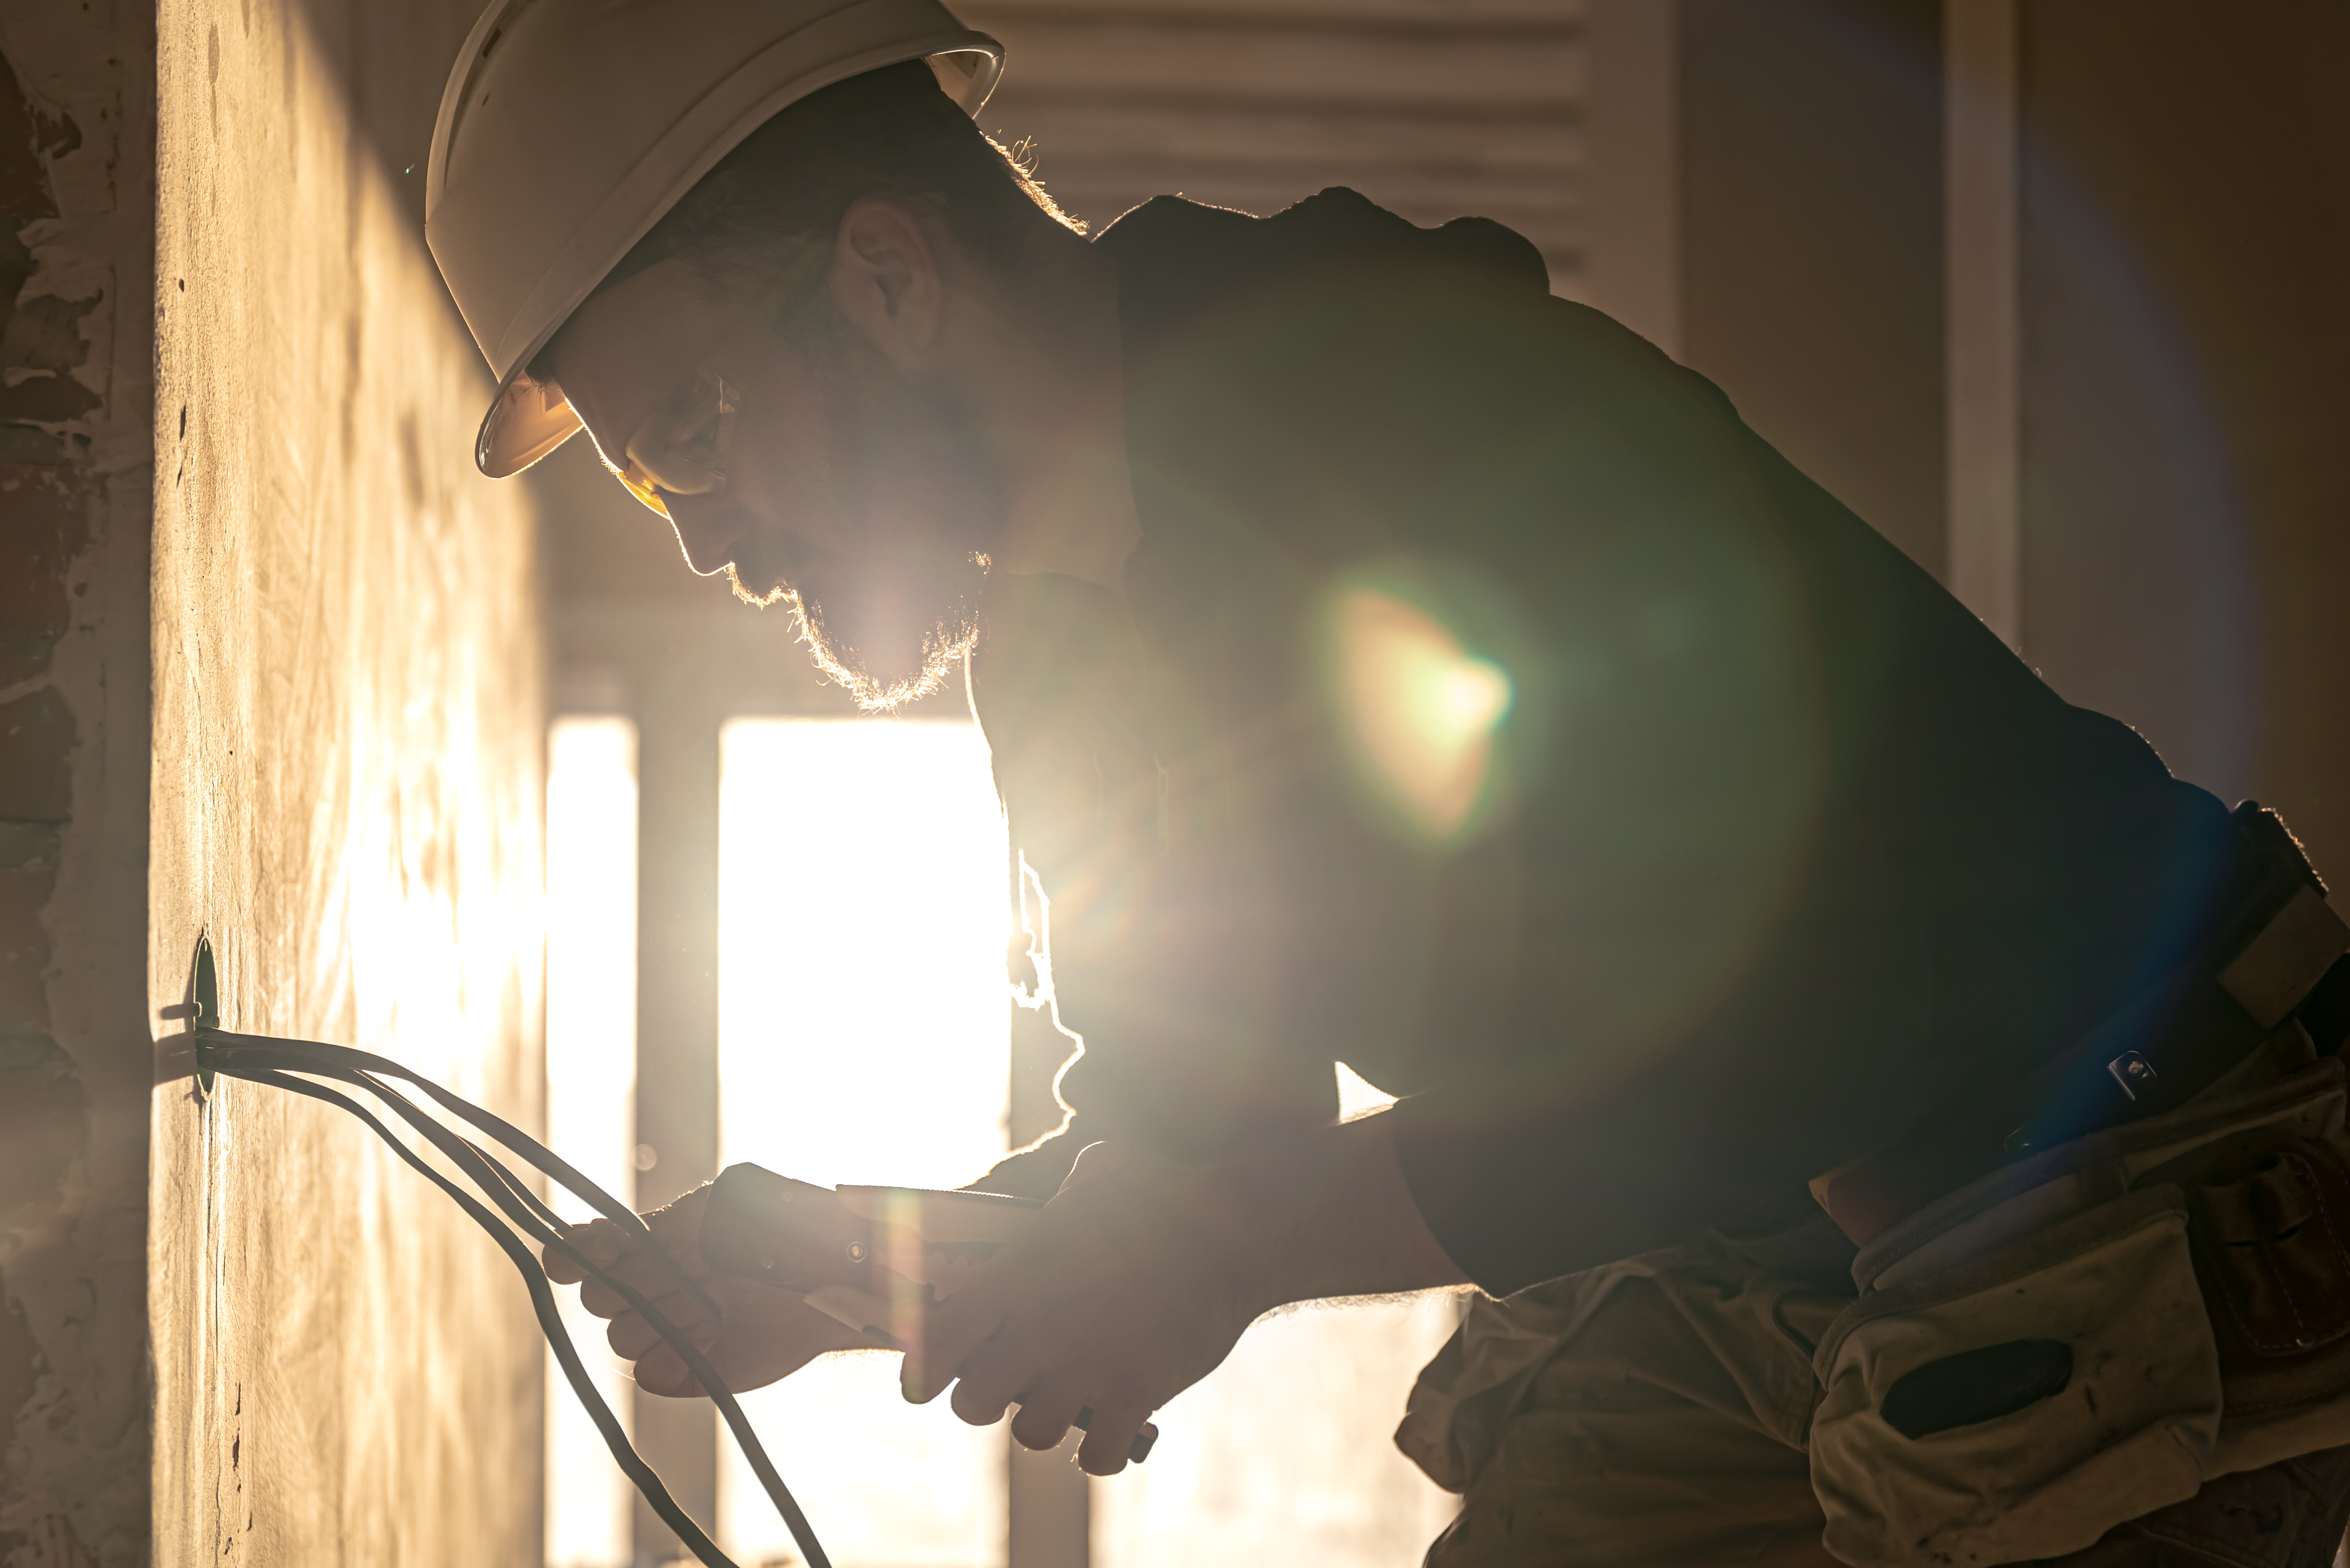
528	419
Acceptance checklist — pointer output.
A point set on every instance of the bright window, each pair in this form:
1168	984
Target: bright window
863	1036
1286	1453
591	1080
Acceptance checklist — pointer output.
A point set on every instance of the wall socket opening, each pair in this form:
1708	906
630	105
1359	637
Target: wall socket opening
204	992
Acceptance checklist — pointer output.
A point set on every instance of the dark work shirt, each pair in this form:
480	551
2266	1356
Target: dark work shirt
1771	847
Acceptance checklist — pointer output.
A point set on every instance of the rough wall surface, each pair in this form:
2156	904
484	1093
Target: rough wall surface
347	786
77	140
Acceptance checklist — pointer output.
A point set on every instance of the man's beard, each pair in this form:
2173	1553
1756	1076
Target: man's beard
891	629
890	613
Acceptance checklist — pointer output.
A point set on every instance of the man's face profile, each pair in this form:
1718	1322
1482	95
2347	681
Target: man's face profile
857	494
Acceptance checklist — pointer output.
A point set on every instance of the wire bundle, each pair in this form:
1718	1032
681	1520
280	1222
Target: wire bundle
290	1064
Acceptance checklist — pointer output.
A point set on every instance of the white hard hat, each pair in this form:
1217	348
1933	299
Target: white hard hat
570	126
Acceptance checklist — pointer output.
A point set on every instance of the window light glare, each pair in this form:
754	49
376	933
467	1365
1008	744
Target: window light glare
864	1036
591	1077
1418	709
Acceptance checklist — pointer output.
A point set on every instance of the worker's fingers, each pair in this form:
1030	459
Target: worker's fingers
600	1242
677	1225
677	1228
1110	1431
985	1387
631	1336
662	1372
981	1401
951	1333
1046	1414
604	1301
649	1277
1121	1292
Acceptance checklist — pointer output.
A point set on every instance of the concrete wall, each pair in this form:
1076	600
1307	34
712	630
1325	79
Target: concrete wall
349	720
76	437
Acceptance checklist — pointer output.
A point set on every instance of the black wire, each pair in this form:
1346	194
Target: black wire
487	1172
252	1055
491	1176
473	1158
529	1199
505	1132
541	1301
498	1184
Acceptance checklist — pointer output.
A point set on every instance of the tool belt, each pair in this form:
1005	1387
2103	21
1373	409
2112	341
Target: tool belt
2084	1296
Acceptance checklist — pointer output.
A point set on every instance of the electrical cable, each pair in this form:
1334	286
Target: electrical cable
550	1321
505	1132
274	1061
253	1055
485	1170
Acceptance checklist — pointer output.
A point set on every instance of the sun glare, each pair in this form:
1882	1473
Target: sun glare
1418	709
864	1036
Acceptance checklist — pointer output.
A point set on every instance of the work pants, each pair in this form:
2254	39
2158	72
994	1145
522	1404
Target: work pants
1660	1423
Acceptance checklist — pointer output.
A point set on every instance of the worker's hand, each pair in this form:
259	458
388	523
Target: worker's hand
767	1334
1035	1172
1127	1288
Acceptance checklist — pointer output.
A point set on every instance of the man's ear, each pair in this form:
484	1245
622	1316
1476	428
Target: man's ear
886	278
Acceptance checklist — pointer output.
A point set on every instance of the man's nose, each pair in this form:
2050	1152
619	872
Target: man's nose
703	532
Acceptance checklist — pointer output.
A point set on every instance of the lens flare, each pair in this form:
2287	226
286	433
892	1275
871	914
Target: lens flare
1418	709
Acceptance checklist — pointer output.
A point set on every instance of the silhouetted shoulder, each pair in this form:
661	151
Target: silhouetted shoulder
1334	231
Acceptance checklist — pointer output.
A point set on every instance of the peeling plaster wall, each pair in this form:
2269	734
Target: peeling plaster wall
348	714
76	195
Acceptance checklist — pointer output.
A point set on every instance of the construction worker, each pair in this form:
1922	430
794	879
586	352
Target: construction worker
1886	1117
